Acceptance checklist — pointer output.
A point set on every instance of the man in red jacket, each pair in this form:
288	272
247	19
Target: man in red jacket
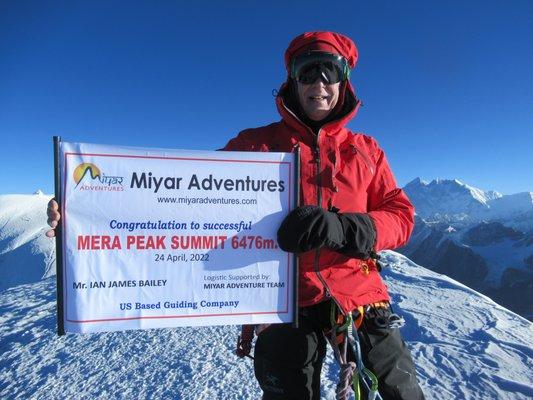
350	209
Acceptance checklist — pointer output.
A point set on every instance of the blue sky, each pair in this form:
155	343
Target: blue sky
447	86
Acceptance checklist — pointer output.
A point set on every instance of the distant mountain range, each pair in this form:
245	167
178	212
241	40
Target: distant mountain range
444	200
481	238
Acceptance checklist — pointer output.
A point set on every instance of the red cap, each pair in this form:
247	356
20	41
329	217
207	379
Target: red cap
329	42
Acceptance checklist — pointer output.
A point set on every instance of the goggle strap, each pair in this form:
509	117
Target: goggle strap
293	72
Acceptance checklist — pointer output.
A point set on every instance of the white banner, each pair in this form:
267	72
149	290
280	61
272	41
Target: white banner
162	238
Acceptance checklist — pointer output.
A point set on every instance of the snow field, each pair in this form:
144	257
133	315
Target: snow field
465	345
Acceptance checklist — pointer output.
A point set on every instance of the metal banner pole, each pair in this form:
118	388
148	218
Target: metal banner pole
296	276
59	239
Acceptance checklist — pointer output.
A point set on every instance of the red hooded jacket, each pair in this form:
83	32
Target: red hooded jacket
339	169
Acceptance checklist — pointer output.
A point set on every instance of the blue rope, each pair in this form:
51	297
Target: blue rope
370	381
350	370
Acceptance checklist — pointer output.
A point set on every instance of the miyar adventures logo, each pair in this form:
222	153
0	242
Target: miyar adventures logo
88	176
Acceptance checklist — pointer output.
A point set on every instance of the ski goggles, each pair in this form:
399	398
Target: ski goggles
330	68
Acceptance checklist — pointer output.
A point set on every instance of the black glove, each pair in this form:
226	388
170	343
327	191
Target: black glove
311	227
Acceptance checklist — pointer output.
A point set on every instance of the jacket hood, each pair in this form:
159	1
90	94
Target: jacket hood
287	102
348	104
330	42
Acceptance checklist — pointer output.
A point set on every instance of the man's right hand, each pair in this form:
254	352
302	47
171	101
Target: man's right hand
53	217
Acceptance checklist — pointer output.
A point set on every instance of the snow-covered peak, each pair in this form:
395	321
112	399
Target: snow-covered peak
26	255
450	200
440	181
39	192
513	202
417	182
441	186
446	198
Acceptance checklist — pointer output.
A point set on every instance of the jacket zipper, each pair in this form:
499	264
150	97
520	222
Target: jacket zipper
319	204
317	253
319	201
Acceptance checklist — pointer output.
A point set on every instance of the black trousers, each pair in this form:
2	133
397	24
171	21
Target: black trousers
288	361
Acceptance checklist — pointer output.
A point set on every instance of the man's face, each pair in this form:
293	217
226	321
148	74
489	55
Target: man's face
318	99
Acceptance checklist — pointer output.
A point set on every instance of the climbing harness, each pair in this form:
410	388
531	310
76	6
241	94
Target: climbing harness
343	333
342	336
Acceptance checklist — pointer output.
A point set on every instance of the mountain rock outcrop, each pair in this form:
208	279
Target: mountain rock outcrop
482	239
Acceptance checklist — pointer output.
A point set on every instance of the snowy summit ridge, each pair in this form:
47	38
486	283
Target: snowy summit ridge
26	255
465	345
